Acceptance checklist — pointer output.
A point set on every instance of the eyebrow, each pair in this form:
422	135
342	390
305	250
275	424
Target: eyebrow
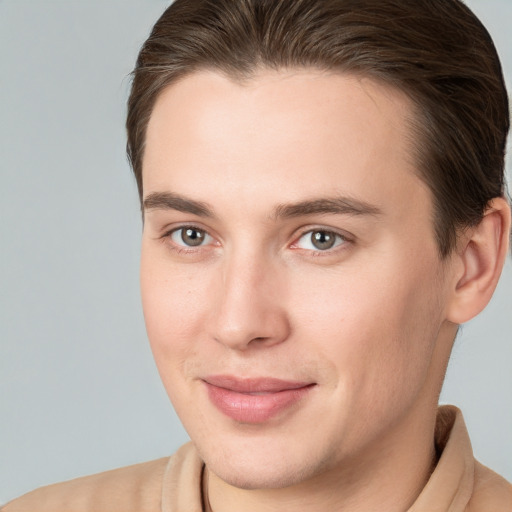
333	205
171	201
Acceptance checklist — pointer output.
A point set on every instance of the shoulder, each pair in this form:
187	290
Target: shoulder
490	491
132	488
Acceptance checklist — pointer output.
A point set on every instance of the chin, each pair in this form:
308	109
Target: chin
263	468
251	478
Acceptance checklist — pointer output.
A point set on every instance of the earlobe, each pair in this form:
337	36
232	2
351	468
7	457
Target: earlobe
480	262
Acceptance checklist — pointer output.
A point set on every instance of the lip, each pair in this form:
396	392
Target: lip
254	400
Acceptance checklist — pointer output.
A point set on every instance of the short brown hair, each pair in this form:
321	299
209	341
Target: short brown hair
436	51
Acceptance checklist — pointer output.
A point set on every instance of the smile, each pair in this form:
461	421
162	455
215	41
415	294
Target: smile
254	400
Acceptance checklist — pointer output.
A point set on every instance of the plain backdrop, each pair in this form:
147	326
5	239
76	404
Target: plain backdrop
79	390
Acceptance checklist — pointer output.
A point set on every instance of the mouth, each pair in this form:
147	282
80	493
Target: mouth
254	400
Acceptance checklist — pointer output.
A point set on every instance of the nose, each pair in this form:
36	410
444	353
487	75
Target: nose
249	307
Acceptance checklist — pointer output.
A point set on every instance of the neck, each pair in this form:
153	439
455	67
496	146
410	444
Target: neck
388	476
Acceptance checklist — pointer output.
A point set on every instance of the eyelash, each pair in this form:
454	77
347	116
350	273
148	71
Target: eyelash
184	249
341	240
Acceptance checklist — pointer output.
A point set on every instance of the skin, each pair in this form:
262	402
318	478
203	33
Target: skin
370	322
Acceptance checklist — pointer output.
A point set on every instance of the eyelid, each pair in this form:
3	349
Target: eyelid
174	235
167	233
308	230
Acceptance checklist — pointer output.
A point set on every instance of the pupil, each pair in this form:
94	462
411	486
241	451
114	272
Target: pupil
192	236
323	240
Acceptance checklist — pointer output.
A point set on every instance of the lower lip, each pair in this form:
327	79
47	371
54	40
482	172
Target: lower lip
247	408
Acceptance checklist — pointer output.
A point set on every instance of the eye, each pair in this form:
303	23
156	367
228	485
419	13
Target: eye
320	240
190	236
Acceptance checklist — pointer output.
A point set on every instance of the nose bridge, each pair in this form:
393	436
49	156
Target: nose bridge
248	307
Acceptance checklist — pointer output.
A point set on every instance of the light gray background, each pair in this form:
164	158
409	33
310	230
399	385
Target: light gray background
79	391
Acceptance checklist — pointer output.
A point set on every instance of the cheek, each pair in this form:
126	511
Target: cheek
172	301
378	328
172	304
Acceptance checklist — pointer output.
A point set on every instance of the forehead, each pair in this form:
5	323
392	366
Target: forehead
313	131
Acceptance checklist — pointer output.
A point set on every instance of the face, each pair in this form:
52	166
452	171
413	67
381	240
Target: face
292	290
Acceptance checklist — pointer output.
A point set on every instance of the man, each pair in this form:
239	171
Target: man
323	198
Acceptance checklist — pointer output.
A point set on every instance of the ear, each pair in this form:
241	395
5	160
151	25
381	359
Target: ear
479	261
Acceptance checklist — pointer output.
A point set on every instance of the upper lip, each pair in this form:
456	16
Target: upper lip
254	385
